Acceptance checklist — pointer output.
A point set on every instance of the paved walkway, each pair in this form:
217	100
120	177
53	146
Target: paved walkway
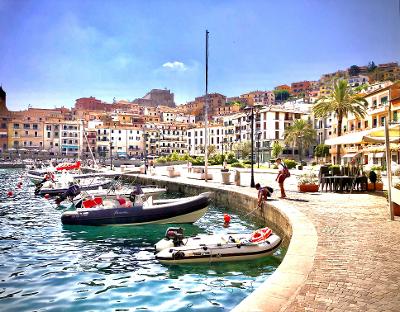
357	263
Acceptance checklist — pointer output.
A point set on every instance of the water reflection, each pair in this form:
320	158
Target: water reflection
44	265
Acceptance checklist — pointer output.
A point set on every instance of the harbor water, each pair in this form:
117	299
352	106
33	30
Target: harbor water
45	266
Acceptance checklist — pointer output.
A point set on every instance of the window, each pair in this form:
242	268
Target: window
276	125
277	115
382	121
395	116
366	124
48	127
374	122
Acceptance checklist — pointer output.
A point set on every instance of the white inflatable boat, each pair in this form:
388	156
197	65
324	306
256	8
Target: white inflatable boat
175	248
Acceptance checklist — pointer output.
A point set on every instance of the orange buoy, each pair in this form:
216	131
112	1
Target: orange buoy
10	193
47	196
227	218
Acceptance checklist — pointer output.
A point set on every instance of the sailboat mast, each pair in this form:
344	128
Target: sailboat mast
206	115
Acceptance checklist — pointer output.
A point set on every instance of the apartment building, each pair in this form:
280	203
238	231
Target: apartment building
377	114
71	138
264	98
173	138
125	140
5	116
300	88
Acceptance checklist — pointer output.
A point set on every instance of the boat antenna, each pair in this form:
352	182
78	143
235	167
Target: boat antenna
206	115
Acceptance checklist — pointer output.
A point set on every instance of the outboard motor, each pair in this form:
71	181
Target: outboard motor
176	235
137	190
73	191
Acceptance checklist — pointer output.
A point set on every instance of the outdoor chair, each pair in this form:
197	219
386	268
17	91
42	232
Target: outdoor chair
323	173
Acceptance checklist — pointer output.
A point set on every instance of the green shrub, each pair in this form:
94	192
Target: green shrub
174	156
230	158
237	165
314	163
161	160
247	162
377	168
290	163
198	161
216	159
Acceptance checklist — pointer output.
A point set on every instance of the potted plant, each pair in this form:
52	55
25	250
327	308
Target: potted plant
376	181
225	173
396	199
308	182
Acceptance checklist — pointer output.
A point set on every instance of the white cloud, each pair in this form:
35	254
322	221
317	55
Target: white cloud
178	66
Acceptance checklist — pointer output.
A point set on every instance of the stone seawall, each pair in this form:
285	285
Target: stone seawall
297	231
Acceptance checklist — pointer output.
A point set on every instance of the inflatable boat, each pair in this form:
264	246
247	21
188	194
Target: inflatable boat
175	248
118	210
55	188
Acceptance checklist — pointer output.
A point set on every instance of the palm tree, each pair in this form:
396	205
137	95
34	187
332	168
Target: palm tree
342	101
300	134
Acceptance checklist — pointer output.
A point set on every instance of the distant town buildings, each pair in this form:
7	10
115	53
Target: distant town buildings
154	126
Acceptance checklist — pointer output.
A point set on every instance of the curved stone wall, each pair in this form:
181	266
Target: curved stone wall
298	233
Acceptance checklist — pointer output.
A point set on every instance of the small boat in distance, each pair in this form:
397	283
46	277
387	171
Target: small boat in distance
133	211
175	248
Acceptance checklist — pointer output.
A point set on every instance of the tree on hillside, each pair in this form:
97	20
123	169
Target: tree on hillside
281	95
341	101
301	135
354	70
371	66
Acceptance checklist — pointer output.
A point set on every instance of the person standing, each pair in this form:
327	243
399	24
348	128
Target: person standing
282	175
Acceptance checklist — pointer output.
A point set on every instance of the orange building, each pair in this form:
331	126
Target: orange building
283	87
299	88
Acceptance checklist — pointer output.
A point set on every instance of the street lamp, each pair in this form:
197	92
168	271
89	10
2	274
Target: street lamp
250	116
258	148
111	156
300	137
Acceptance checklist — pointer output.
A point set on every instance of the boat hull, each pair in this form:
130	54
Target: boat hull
174	212
218	252
60	191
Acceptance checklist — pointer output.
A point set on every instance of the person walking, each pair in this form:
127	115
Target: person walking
283	173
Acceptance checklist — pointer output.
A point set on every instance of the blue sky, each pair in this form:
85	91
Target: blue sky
53	52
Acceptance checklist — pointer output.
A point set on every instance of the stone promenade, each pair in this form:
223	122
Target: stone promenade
357	261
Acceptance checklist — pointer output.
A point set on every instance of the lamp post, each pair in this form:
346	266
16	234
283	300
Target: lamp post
258	148
300	137
250	115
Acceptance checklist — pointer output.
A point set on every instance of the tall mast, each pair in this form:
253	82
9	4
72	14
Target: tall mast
206	115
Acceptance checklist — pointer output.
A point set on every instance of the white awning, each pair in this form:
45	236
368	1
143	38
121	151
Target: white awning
379	155
349	138
375	135
349	155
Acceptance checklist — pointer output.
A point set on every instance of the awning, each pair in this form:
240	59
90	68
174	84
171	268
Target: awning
379	155
376	135
349	138
349	155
